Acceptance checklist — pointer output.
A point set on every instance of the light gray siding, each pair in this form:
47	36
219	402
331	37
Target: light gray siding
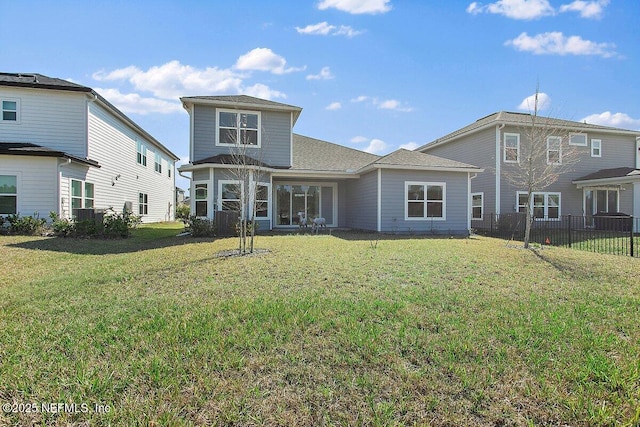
113	145
53	119
362	205
36	183
394	202
275	137
479	150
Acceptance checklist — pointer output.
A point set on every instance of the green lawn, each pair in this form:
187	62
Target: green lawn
320	330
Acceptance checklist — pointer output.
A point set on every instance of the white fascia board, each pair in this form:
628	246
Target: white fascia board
607	181
419	168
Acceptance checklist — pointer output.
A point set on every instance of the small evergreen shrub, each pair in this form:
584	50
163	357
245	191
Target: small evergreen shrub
26	225
183	212
201	227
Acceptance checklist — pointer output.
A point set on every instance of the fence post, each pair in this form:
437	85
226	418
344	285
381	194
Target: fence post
492	224
569	231
631	235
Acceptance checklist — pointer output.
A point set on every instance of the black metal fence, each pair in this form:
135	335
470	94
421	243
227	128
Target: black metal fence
610	234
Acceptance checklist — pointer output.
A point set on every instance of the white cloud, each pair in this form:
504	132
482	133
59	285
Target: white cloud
529	103
173	79
361	98
264	59
556	43
324	29
334	106
410	146
359	139
376	146
586	9
389	104
618	120
134	103
325	74
514	9
262	91
357	7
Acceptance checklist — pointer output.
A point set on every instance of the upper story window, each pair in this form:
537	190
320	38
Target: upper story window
554	150
10	110
512	147
579	139
158	163
238	127
142	153
596	148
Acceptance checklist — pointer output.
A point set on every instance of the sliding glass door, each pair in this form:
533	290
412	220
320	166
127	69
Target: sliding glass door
295	201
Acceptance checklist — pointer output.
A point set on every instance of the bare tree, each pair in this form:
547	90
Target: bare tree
542	156
248	168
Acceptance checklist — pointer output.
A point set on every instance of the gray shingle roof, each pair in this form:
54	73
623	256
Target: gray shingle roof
240	99
29	149
519	119
35	80
405	158
317	155
610	173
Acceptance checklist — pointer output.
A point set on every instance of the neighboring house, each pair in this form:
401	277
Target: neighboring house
606	177
63	146
405	191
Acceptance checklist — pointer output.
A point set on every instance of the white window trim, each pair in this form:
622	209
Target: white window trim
237	112
141	149
207	199
18	115
599	141
559	150
546	204
504	149
425	184
582	144
17	195
233	182
254	184
143	204
157	163
584	198
83	198
481	194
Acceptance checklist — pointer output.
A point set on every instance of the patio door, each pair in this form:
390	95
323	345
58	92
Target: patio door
294	201
598	200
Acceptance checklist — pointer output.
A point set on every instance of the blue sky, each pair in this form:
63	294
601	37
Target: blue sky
370	74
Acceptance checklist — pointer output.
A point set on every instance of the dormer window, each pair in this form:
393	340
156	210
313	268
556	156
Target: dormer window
238	128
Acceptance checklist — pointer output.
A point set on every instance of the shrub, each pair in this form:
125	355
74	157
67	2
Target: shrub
113	225
120	225
61	226
27	225
201	227
183	211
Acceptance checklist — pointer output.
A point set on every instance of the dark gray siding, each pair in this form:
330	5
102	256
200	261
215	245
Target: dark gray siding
393	202
276	137
362	205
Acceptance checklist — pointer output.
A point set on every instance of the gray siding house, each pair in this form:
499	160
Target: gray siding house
294	176
604	178
64	147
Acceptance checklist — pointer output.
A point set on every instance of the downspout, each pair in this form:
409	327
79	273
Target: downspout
379	200
59	188
637	152
469	200
498	165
